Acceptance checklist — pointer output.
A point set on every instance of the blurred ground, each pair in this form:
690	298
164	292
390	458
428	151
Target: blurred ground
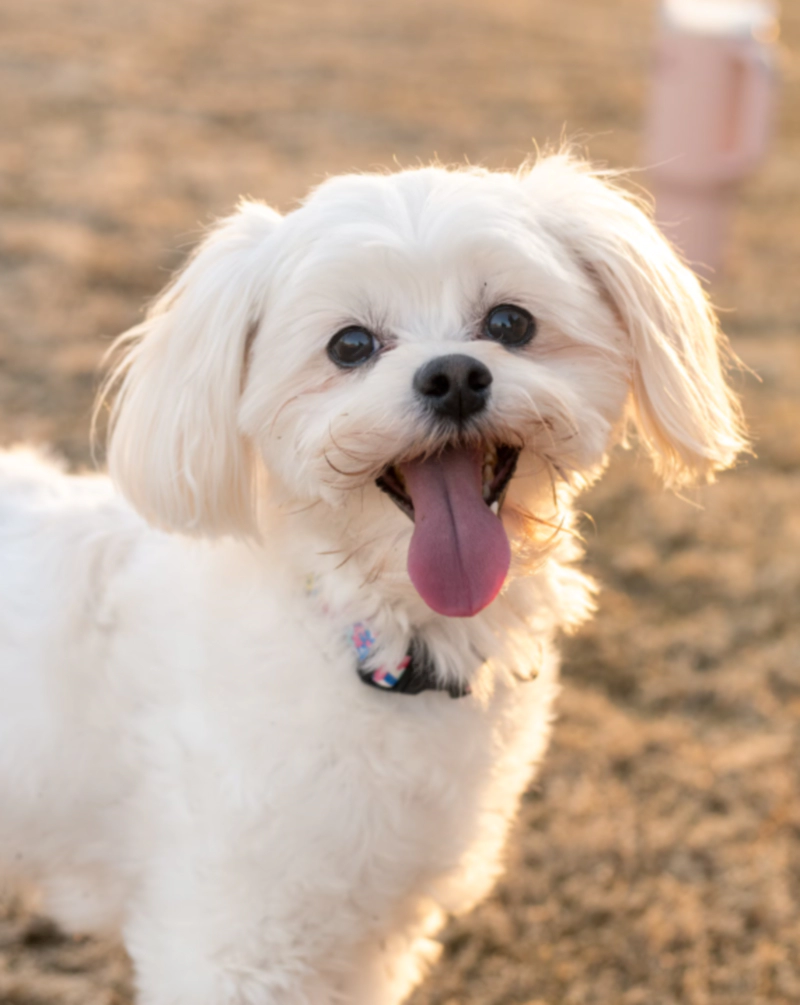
657	859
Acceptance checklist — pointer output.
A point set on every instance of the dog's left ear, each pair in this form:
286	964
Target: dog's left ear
175	449
687	416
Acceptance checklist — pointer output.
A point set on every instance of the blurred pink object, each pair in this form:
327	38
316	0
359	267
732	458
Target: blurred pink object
710	116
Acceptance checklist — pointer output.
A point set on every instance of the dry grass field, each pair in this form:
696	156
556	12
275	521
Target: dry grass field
657	858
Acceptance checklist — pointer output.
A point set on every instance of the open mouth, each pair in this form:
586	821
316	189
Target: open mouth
497	470
459	554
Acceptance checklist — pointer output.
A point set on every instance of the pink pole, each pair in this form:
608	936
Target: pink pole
709	117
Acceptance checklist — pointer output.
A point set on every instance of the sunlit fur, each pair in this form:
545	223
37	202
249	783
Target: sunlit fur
186	752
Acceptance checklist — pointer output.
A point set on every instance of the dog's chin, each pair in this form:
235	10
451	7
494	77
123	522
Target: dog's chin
459	553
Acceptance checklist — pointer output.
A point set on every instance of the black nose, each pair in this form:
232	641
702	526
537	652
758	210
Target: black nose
455	387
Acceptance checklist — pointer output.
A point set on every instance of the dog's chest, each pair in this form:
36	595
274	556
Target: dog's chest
360	796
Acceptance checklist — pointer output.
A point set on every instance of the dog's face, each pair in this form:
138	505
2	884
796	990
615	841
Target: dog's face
435	359
422	351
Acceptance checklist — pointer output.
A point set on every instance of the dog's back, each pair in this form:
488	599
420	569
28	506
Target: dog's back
61	539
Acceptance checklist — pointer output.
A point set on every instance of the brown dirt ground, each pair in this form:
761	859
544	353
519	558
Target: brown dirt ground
657	858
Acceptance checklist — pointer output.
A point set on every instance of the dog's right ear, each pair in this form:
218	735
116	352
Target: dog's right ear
687	416
175	450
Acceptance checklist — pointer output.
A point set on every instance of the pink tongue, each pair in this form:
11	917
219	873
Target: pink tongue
459	554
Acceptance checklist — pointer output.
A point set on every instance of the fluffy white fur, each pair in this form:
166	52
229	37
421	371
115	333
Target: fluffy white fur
186	752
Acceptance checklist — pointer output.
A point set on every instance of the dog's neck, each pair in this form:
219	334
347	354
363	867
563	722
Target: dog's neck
371	587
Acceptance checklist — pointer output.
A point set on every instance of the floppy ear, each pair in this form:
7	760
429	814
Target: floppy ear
687	416
175	449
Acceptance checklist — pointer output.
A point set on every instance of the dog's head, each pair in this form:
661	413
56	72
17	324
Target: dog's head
454	348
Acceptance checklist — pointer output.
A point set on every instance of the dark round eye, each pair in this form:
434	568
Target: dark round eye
510	325
352	347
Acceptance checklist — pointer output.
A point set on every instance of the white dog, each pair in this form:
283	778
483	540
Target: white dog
270	711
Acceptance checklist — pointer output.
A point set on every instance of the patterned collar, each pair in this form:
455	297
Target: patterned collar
414	674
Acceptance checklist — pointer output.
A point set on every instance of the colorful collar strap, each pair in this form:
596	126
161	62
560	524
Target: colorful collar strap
414	674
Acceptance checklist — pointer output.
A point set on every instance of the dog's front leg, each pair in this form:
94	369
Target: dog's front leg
201	931
385	970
